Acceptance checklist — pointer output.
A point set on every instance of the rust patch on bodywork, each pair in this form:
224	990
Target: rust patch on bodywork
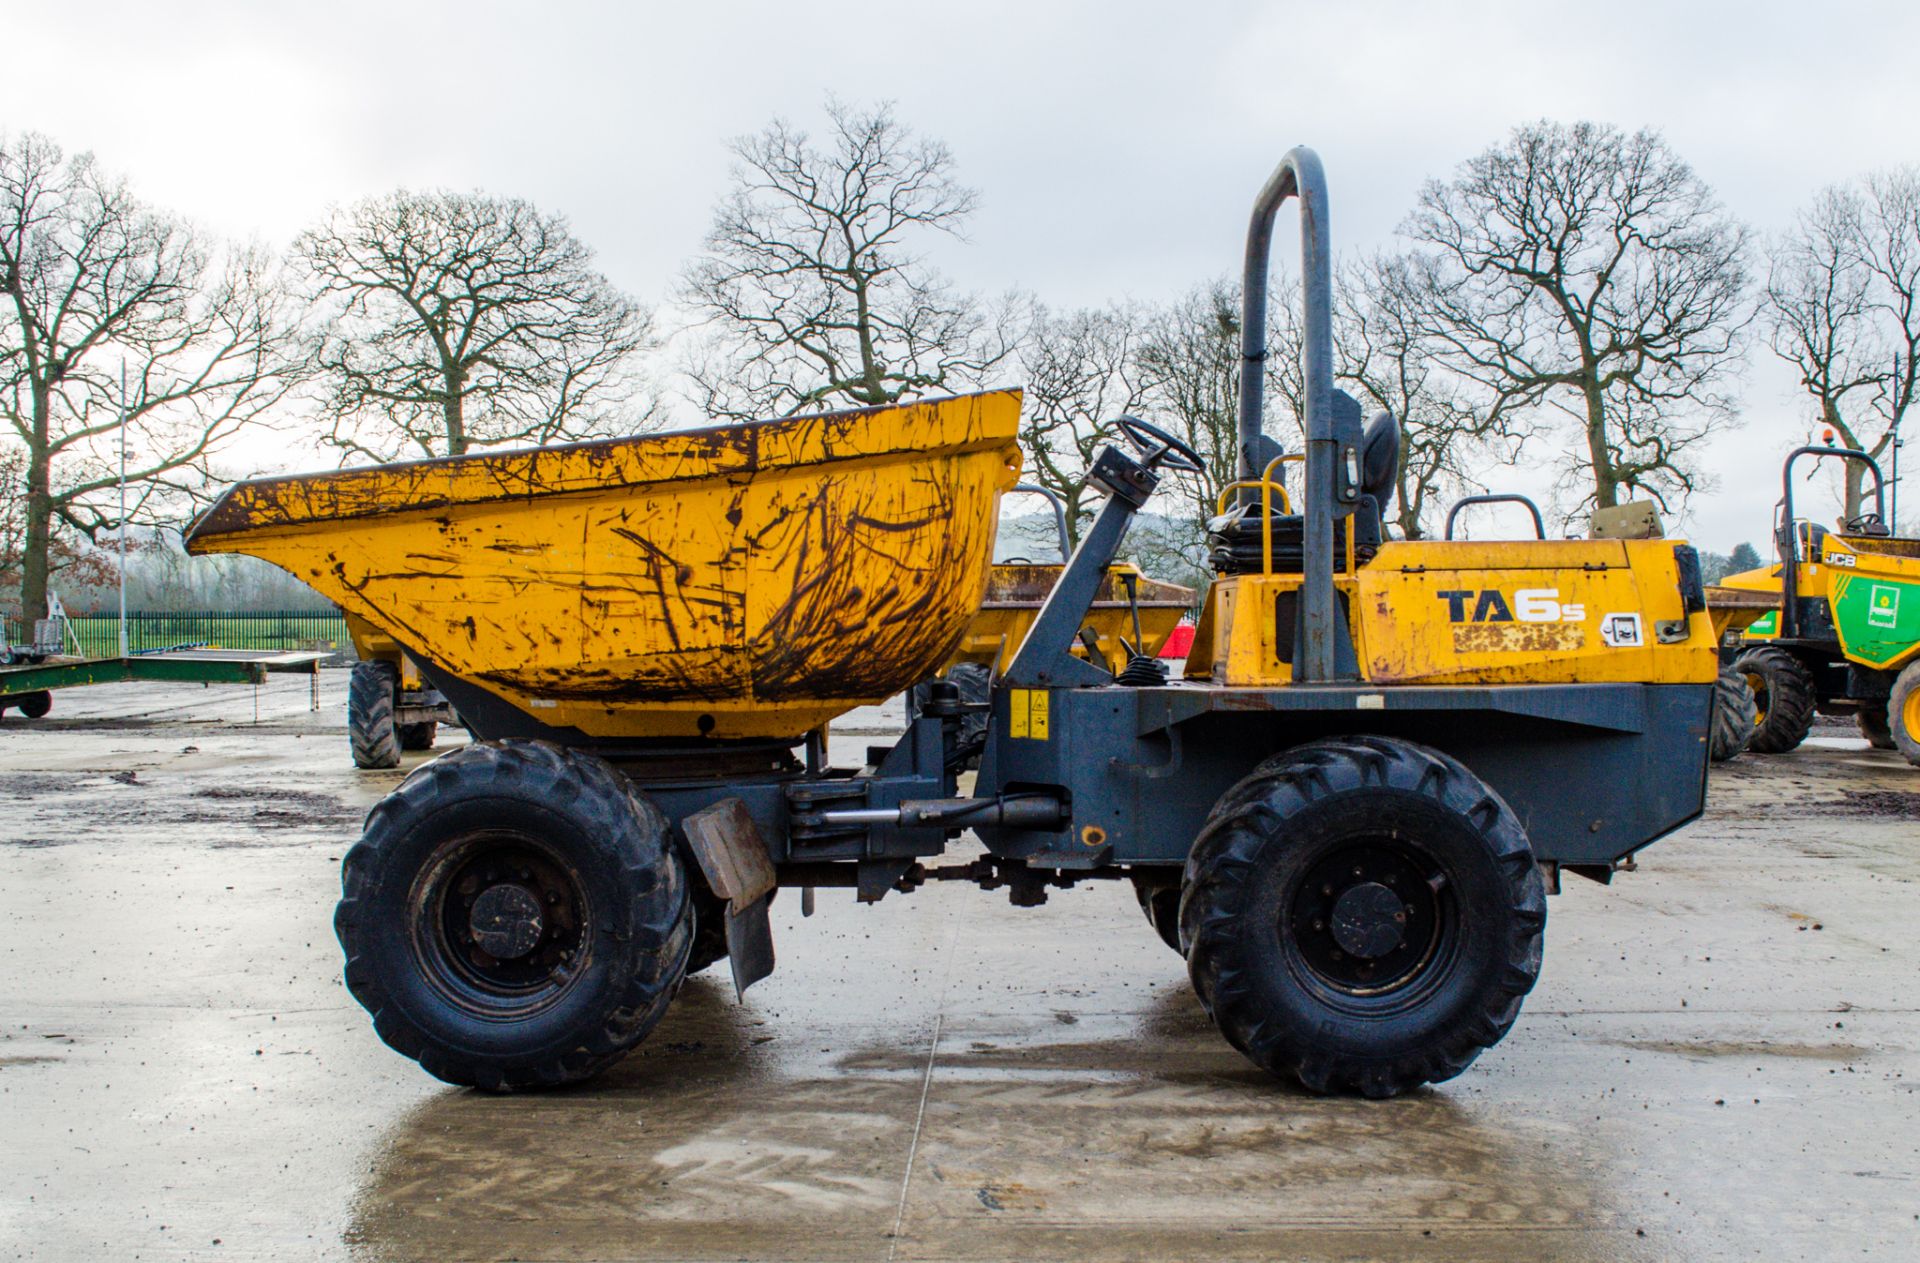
1518	638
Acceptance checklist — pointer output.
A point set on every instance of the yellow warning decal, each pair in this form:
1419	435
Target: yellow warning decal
1027	714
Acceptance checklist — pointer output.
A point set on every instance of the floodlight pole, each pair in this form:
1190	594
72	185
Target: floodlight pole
123	508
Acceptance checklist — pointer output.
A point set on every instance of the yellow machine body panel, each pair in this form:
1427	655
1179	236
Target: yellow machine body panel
1015	593
371	644
735	582
1747	602
1447	612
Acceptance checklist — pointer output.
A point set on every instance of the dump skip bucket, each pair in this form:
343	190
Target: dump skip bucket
746	581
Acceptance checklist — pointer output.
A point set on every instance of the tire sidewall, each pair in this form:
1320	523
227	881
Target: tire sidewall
1438	1000
1731	725
1789	705
393	927
629	880
371	733
1906	741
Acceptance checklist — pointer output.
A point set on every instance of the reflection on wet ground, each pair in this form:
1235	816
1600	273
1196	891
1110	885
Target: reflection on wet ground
1105	1135
1719	1062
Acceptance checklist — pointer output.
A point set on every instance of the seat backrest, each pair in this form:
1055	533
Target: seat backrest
1380	459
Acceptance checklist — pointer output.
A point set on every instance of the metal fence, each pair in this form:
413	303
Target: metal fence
149	630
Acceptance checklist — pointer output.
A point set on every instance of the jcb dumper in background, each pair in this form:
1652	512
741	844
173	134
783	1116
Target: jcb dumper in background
1346	818
1833	626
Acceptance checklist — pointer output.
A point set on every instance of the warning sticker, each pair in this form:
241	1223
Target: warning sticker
1621	631
1027	714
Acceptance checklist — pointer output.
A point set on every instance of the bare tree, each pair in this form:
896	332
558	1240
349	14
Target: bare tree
1590	272
459	320
97	289
810	289
1382	354
1191	353
1386	361
13	513
1189	358
1081	371
1843	308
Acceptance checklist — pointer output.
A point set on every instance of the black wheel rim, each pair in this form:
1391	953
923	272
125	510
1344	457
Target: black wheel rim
1373	920
500	925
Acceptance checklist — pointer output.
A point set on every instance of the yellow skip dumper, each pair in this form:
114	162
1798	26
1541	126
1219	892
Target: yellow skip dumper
1346	817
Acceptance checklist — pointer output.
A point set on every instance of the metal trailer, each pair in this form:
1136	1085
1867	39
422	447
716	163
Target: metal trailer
28	686
1346	817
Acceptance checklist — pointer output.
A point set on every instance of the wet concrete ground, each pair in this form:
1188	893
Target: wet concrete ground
1719	1062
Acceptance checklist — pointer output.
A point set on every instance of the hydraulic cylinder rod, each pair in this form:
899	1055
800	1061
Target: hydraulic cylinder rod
1009	811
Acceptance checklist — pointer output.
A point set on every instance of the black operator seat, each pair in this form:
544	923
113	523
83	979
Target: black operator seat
1233	538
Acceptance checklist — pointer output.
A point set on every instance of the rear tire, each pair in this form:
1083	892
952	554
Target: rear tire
1872	721
975	683
1161	904
1903	713
1374	982
370	728
35	705
710	926
514	916
1783	697
1733	716
417	736
709	931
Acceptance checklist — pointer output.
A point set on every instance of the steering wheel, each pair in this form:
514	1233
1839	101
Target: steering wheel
1157	448
1871	524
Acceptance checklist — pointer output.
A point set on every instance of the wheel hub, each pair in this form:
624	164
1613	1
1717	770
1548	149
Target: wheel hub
502	921
1368	916
1369	920
506	921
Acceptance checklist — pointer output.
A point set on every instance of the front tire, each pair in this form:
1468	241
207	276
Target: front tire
35	705
1733	716
1903	713
1783	696
1362	914
370	729
514	916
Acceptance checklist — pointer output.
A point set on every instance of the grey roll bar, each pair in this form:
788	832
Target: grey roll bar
1783	541
1539	524
1299	175
1059	514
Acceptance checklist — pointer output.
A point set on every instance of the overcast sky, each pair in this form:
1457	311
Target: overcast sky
1117	145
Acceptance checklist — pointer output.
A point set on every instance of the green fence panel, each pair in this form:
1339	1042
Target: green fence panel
98	636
